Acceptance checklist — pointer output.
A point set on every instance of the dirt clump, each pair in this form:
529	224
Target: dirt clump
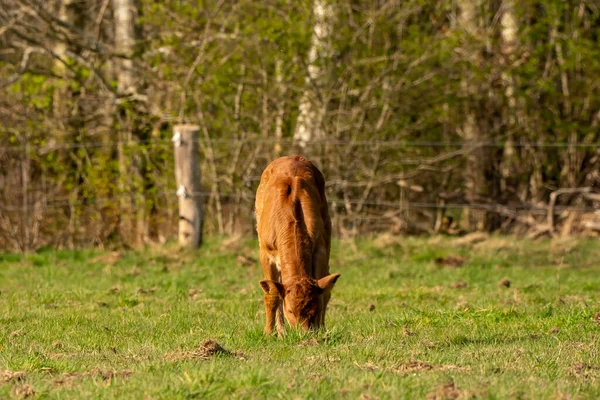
450	261
23	391
17	333
584	370
448	391
194	294
406	331
147	291
504	283
459	285
207	350
12	376
414	366
371	307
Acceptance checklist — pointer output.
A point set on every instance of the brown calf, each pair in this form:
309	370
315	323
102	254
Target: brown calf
294	234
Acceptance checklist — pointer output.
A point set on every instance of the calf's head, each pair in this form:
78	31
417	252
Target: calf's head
302	300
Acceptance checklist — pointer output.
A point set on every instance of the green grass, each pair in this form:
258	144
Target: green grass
91	324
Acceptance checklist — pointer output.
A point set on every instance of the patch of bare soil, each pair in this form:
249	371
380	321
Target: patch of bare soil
585	370
12	376
23	391
406	331
207	350
414	366
67	378
195	294
449	391
17	333
459	285
450	261
147	291
421	366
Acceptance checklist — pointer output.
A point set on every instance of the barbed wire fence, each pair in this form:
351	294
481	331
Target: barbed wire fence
31	207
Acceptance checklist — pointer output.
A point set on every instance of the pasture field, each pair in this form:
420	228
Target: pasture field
435	318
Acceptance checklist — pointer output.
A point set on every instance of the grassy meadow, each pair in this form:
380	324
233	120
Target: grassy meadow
435	318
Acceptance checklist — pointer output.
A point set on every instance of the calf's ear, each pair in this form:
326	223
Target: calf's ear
326	283
270	287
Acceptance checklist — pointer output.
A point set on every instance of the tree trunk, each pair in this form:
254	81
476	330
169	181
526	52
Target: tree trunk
279	117
478	157
314	102
62	102
125	15
133	216
508	33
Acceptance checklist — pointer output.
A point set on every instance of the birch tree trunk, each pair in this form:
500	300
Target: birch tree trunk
279	117
314	102
509	43
60	96
132	204
125	15
62	100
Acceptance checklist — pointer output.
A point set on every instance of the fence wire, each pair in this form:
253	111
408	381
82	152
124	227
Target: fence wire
51	147
349	193
334	202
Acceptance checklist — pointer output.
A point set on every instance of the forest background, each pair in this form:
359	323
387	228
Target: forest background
441	116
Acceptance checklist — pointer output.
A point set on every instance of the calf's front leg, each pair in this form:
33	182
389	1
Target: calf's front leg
271	304
273	294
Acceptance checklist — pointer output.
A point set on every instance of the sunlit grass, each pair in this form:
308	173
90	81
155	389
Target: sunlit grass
400	325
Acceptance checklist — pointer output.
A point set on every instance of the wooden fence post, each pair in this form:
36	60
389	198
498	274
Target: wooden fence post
187	175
